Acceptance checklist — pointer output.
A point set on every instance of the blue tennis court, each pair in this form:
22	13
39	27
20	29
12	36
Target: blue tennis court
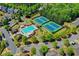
52	26
40	20
55	25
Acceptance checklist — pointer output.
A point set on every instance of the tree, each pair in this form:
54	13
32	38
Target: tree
33	50
18	37
66	42
0	33
24	40
16	43
48	36
61	51
6	27
3	43
0	36
44	49
70	51
7	54
58	13
55	12
33	39
5	22
54	44
44	39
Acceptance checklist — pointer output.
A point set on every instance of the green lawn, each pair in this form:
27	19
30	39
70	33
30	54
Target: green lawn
65	31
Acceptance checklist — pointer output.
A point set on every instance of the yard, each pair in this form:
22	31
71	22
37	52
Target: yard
66	30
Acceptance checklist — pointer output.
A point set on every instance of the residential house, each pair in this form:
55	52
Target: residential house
15	10
4	9
10	10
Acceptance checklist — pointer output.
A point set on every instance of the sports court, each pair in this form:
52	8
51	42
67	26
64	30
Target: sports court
52	26
40	20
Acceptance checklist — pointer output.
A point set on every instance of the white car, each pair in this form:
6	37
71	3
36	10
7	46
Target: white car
72	43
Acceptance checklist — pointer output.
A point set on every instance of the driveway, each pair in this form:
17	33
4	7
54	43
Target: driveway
74	37
9	40
37	46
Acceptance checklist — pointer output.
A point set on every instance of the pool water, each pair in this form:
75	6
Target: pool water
29	29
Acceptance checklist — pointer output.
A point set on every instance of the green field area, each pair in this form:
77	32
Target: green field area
37	29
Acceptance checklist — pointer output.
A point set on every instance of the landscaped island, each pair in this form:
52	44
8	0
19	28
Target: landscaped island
39	29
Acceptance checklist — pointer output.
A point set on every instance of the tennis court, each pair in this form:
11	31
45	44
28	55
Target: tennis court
52	26
40	20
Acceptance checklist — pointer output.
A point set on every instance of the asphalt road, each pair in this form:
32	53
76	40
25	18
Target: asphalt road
37	46
9	40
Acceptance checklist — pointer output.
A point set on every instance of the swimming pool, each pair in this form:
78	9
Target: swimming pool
29	29
52	26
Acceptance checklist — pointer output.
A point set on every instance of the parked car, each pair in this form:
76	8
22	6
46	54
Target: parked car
25	51
0	38
1	24
46	42
7	44
72	43
3	35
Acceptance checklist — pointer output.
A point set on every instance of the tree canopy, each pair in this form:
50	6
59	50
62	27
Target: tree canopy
61	51
44	49
54	44
33	50
61	13
24	39
7	54
66	42
70	51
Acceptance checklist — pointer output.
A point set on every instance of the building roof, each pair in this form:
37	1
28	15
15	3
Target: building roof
4	8
11	23
0	7
10	10
1	23
76	22
52	53
15	10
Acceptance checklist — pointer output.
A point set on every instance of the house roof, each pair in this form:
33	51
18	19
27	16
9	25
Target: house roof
1	23
15	10
52	53
10	10
76	22
11	23
4	8
0	7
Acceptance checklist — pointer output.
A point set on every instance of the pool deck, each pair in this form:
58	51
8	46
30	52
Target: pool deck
28	30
